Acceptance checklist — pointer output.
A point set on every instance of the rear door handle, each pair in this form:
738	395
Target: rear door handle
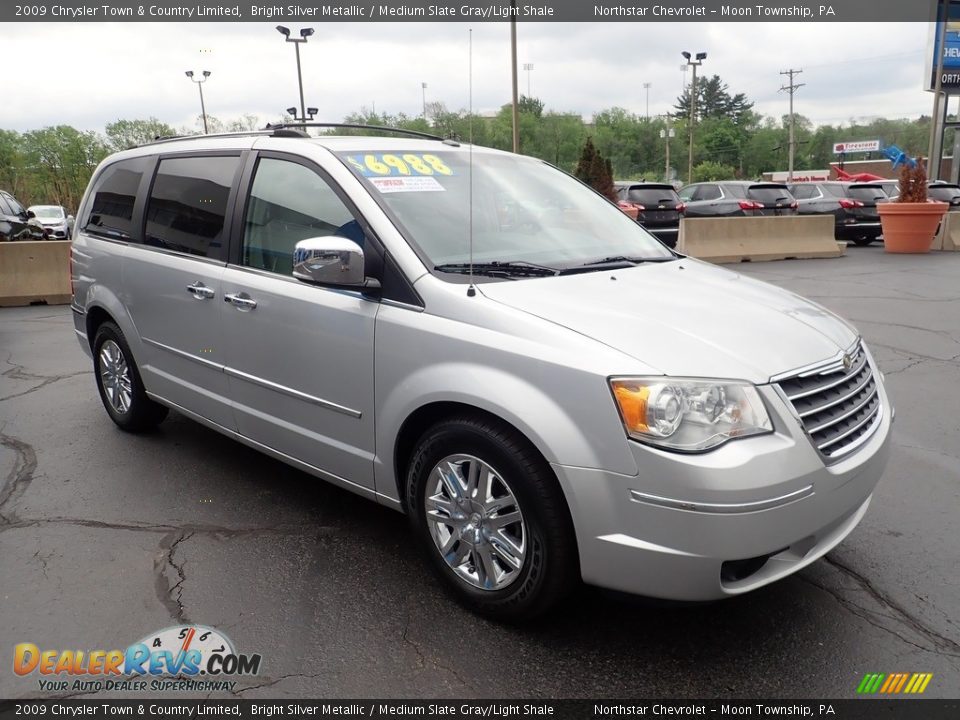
201	291
241	301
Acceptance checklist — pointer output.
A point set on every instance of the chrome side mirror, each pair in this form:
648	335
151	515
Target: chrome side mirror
331	260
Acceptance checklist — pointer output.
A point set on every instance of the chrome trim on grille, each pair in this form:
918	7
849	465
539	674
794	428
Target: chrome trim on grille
837	402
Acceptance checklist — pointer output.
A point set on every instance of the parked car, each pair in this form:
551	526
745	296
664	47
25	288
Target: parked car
659	208
16	223
737	198
941	191
853	205
549	396
54	219
890	187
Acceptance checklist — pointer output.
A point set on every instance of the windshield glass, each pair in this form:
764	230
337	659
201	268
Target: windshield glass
50	213
523	209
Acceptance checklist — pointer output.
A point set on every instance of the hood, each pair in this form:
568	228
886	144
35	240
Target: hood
686	318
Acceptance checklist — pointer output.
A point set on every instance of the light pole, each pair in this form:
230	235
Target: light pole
694	63
292	112
200	82
665	134
528	67
513	75
304	34
423	87
646	86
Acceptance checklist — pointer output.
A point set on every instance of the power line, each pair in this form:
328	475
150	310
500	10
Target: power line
791	88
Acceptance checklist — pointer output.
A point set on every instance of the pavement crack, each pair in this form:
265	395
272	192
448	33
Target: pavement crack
422	659
19	372
941	645
19	477
276	681
171	596
198	529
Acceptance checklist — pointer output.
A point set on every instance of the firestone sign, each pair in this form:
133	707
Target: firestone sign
856	147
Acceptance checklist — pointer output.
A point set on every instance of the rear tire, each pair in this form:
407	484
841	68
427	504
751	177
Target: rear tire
118	381
863	241
495	524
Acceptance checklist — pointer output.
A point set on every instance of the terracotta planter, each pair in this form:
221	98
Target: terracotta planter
910	227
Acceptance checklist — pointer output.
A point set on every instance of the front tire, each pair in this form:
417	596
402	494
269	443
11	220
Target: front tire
119	383
492	518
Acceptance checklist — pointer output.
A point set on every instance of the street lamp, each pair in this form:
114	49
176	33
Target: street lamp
528	67
200	82
304	34
694	63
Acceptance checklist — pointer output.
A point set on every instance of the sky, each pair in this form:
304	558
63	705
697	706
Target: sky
89	74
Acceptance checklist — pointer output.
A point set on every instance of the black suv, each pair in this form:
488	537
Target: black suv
15	222
733	198
944	192
658	205
853	205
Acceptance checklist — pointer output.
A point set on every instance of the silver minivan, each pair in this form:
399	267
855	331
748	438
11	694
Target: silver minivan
480	341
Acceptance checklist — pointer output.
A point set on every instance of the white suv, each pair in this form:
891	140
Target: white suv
479	340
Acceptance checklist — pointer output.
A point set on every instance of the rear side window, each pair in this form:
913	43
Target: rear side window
114	195
837	190
709	192
804	192
188	204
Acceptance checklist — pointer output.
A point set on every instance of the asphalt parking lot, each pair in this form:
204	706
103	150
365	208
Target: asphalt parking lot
106	537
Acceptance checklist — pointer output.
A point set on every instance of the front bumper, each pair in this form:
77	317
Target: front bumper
708	526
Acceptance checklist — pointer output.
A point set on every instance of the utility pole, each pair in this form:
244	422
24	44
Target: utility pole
694	63
791	88
666	133
646	86
423	87
513	73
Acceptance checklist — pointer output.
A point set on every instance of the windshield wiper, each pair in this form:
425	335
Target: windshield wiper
612	263
500	268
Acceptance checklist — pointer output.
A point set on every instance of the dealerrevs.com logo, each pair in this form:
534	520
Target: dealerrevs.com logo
188	657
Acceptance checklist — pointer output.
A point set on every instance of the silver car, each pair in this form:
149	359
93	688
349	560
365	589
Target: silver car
480	341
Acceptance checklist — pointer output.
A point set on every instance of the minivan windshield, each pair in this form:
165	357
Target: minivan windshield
524	211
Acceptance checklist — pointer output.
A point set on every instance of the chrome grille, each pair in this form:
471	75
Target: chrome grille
838	403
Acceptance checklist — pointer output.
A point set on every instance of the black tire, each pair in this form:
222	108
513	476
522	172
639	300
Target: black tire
141	413
550	568
863	241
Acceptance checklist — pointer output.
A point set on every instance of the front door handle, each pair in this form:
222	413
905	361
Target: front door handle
241	301
201	291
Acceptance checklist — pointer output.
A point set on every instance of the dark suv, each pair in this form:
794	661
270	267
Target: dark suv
853	205
945	192
15	222
732	198
658	205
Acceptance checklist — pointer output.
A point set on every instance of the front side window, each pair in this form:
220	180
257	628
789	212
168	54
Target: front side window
188	204
288	203
114	195
5	208
522	210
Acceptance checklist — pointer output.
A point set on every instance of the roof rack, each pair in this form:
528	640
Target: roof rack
295	129
354	126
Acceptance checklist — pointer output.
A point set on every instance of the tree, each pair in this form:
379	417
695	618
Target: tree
715	101
709	171
530	105
124	134
595	171
60	160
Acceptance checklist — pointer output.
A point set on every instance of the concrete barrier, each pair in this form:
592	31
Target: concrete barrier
948	236
739	239
34	271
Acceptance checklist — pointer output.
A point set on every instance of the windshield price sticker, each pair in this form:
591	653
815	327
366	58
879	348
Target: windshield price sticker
398	165
406	184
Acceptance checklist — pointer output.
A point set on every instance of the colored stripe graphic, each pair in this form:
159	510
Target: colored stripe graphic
894	683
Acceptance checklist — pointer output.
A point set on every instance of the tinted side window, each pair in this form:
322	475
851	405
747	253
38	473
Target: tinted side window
4	207
188	204
803	192
709	192
111	209
289	203
16	207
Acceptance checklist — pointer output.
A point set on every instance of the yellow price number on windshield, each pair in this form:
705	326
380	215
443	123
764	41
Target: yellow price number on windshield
393	165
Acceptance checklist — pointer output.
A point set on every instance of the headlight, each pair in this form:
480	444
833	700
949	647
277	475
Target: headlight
689	415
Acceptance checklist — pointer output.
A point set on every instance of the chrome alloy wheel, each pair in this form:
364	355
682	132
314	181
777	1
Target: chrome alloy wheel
475	522
115	376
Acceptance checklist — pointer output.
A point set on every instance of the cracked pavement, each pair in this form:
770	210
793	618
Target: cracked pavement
105	537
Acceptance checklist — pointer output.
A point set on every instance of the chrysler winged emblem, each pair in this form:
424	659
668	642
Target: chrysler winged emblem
847	362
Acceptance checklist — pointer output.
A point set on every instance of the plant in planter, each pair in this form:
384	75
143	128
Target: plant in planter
910	222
